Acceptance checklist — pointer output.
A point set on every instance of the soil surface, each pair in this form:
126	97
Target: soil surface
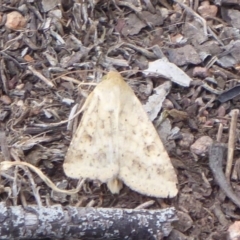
53	53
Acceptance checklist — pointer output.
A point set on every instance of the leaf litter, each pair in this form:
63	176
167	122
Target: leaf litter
52	52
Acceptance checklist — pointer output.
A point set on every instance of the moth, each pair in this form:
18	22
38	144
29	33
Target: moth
116	142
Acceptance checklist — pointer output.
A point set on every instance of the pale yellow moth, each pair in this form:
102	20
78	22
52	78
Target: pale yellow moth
116	141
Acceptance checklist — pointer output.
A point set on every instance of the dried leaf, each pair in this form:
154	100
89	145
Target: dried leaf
133	25
48	5
116	140
229	94
154	104
184	55
168	70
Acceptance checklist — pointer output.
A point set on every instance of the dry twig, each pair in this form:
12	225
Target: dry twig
40	76
145	205
219	133
56	222
231	143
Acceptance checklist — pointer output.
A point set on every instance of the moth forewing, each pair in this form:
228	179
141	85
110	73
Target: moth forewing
144	163
116	140
93	150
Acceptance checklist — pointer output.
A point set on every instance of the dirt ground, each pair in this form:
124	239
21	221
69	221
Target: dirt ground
53	53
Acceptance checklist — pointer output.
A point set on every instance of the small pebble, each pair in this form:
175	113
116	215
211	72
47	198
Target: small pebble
201	145
15	21
207	10
167	104
28	58
200	72
177	38
234	231
6	99
20	86
221	111
187	140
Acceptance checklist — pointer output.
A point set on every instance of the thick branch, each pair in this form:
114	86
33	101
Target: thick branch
84	223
